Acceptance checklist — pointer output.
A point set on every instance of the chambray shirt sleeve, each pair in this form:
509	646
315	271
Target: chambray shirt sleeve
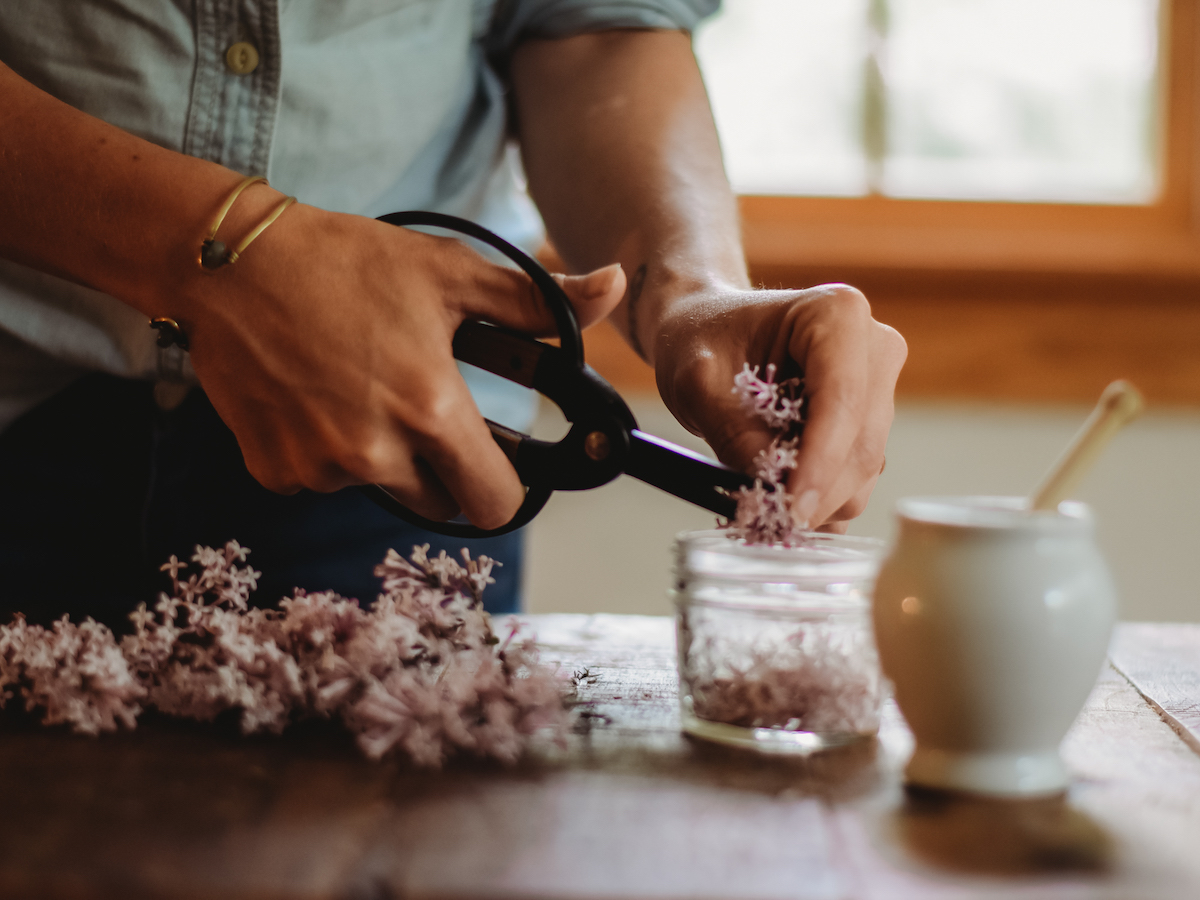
518	19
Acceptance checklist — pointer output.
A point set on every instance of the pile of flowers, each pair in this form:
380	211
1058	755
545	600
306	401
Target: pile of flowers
764	511
820	676
420	673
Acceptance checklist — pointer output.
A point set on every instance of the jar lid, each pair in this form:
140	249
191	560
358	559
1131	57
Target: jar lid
819	560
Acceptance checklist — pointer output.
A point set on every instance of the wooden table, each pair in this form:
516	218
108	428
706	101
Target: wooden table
629	808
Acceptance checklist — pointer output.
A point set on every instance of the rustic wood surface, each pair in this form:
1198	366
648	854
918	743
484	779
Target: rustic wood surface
1163	663
628	807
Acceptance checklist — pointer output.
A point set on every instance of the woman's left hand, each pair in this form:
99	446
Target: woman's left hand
827	335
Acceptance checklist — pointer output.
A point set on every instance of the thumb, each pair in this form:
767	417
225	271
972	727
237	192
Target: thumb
508	297
595	294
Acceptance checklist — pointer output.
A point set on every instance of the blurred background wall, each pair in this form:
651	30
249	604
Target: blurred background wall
1015	185
609	550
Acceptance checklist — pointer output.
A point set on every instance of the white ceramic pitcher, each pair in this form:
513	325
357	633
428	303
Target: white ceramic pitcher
992	623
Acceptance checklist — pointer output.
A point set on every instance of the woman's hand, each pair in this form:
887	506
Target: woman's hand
849	363
327	350
632	104
326	347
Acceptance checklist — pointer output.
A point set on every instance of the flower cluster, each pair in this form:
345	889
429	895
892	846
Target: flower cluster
74	673
749	670
420	673
779	404
764	511
821	676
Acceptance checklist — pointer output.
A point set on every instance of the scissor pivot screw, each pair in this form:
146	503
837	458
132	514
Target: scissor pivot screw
596	445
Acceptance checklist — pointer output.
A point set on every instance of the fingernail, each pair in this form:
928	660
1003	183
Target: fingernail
599	283
805	508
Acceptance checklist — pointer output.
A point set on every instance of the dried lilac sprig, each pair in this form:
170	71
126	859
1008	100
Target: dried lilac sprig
764	511
420	673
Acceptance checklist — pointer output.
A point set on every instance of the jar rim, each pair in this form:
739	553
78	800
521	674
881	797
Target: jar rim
819	560
992	513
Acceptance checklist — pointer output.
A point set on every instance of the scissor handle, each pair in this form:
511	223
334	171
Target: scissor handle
565	320
535	499
570	341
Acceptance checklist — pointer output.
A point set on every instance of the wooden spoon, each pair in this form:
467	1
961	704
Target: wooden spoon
1118	406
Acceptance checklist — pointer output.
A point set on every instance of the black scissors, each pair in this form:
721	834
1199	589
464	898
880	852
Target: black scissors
604	440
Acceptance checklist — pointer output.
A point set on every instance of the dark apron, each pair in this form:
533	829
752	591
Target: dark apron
99	485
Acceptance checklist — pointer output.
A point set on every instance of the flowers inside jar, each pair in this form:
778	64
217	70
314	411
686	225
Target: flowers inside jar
773	622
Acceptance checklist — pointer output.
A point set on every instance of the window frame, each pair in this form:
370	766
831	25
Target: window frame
941	237
1008	302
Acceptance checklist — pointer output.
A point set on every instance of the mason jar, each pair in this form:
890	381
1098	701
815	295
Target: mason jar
775	646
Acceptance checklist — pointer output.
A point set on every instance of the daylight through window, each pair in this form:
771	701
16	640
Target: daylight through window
1023	100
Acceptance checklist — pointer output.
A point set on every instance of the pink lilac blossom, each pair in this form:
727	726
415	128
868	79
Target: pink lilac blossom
420	673
764	511
755	671
776	403
818	676
74	673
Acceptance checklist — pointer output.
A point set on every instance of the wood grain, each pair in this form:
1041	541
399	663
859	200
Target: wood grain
1121	831
1163	663
625	807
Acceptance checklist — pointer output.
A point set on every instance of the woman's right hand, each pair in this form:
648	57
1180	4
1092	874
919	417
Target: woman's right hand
327	350
326	347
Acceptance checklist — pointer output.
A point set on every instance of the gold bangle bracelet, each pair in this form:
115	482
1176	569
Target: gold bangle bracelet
212	251
214	255
259	229
169	332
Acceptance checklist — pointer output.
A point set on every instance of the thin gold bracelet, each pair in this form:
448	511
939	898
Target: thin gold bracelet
214	255
212	252
259	229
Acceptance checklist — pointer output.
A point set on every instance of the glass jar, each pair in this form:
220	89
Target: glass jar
775	645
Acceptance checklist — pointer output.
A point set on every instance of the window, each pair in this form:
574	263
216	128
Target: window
1023	100
1027	215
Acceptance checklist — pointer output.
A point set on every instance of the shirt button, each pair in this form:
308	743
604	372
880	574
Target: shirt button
241	58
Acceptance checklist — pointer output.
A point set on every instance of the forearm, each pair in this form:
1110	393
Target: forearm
95	204
623	161
624	164
327	349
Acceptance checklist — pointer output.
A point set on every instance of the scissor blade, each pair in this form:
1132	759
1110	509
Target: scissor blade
689	476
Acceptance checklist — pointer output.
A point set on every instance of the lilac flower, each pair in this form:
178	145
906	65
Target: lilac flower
764	511
74	673
141	617
420	673
815	676
819	676
173	565
779	404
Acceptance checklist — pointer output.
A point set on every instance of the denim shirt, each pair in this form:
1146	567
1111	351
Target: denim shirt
357	106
